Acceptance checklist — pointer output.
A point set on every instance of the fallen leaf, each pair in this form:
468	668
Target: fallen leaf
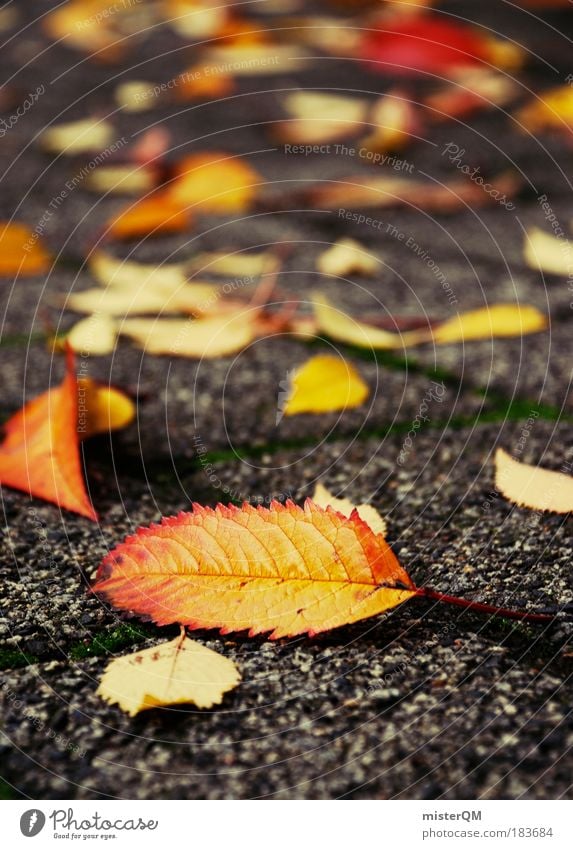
179	672
355	191
40	454
85	25
470	92
497	320
235	264
324	384
151	146
430	44
134	96
214	182
532	486
151	216
548	253
111	271
122	301
217	336
122	180
21	251
195	84
196	19
93	336
395	122
282	569
103	408
347	256
317	117
369	514
552	110
85	136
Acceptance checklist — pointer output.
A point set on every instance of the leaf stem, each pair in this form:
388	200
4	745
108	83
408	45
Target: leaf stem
434	595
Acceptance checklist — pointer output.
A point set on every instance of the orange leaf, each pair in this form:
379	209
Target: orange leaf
20	251
284	569
40	454
155	214
214	182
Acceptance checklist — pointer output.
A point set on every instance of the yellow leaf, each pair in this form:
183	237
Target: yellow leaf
367	512
102	408
196	19
234	264
323	384
83	136
179	672
211	337
532	486
347	256
93	336
552	110
546	252
485	323
394	121
134	96
122	180
119	300
21	252
319	117
340	326
110	271
214	182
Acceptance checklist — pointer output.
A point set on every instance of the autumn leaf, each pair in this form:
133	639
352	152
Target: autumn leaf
21	251
111	271
249	60
552	110
179	672
210	337
40	454
93	336
191	298
532	486
233	264
497	320
324	384
213	182
317	117
469	92
386	191
347	256
322	497
122	180
431	44
282	569
85	136
548	253
86	25
395	122
154	215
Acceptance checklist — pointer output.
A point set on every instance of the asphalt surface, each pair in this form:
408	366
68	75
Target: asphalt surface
426	702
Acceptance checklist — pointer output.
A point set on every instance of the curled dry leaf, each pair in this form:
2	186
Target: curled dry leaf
214	182
21	251
85	136
323	498
40	454
217	336
532	486
546	252
347	256
283	569
179	672
497	320
93	336
324	384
